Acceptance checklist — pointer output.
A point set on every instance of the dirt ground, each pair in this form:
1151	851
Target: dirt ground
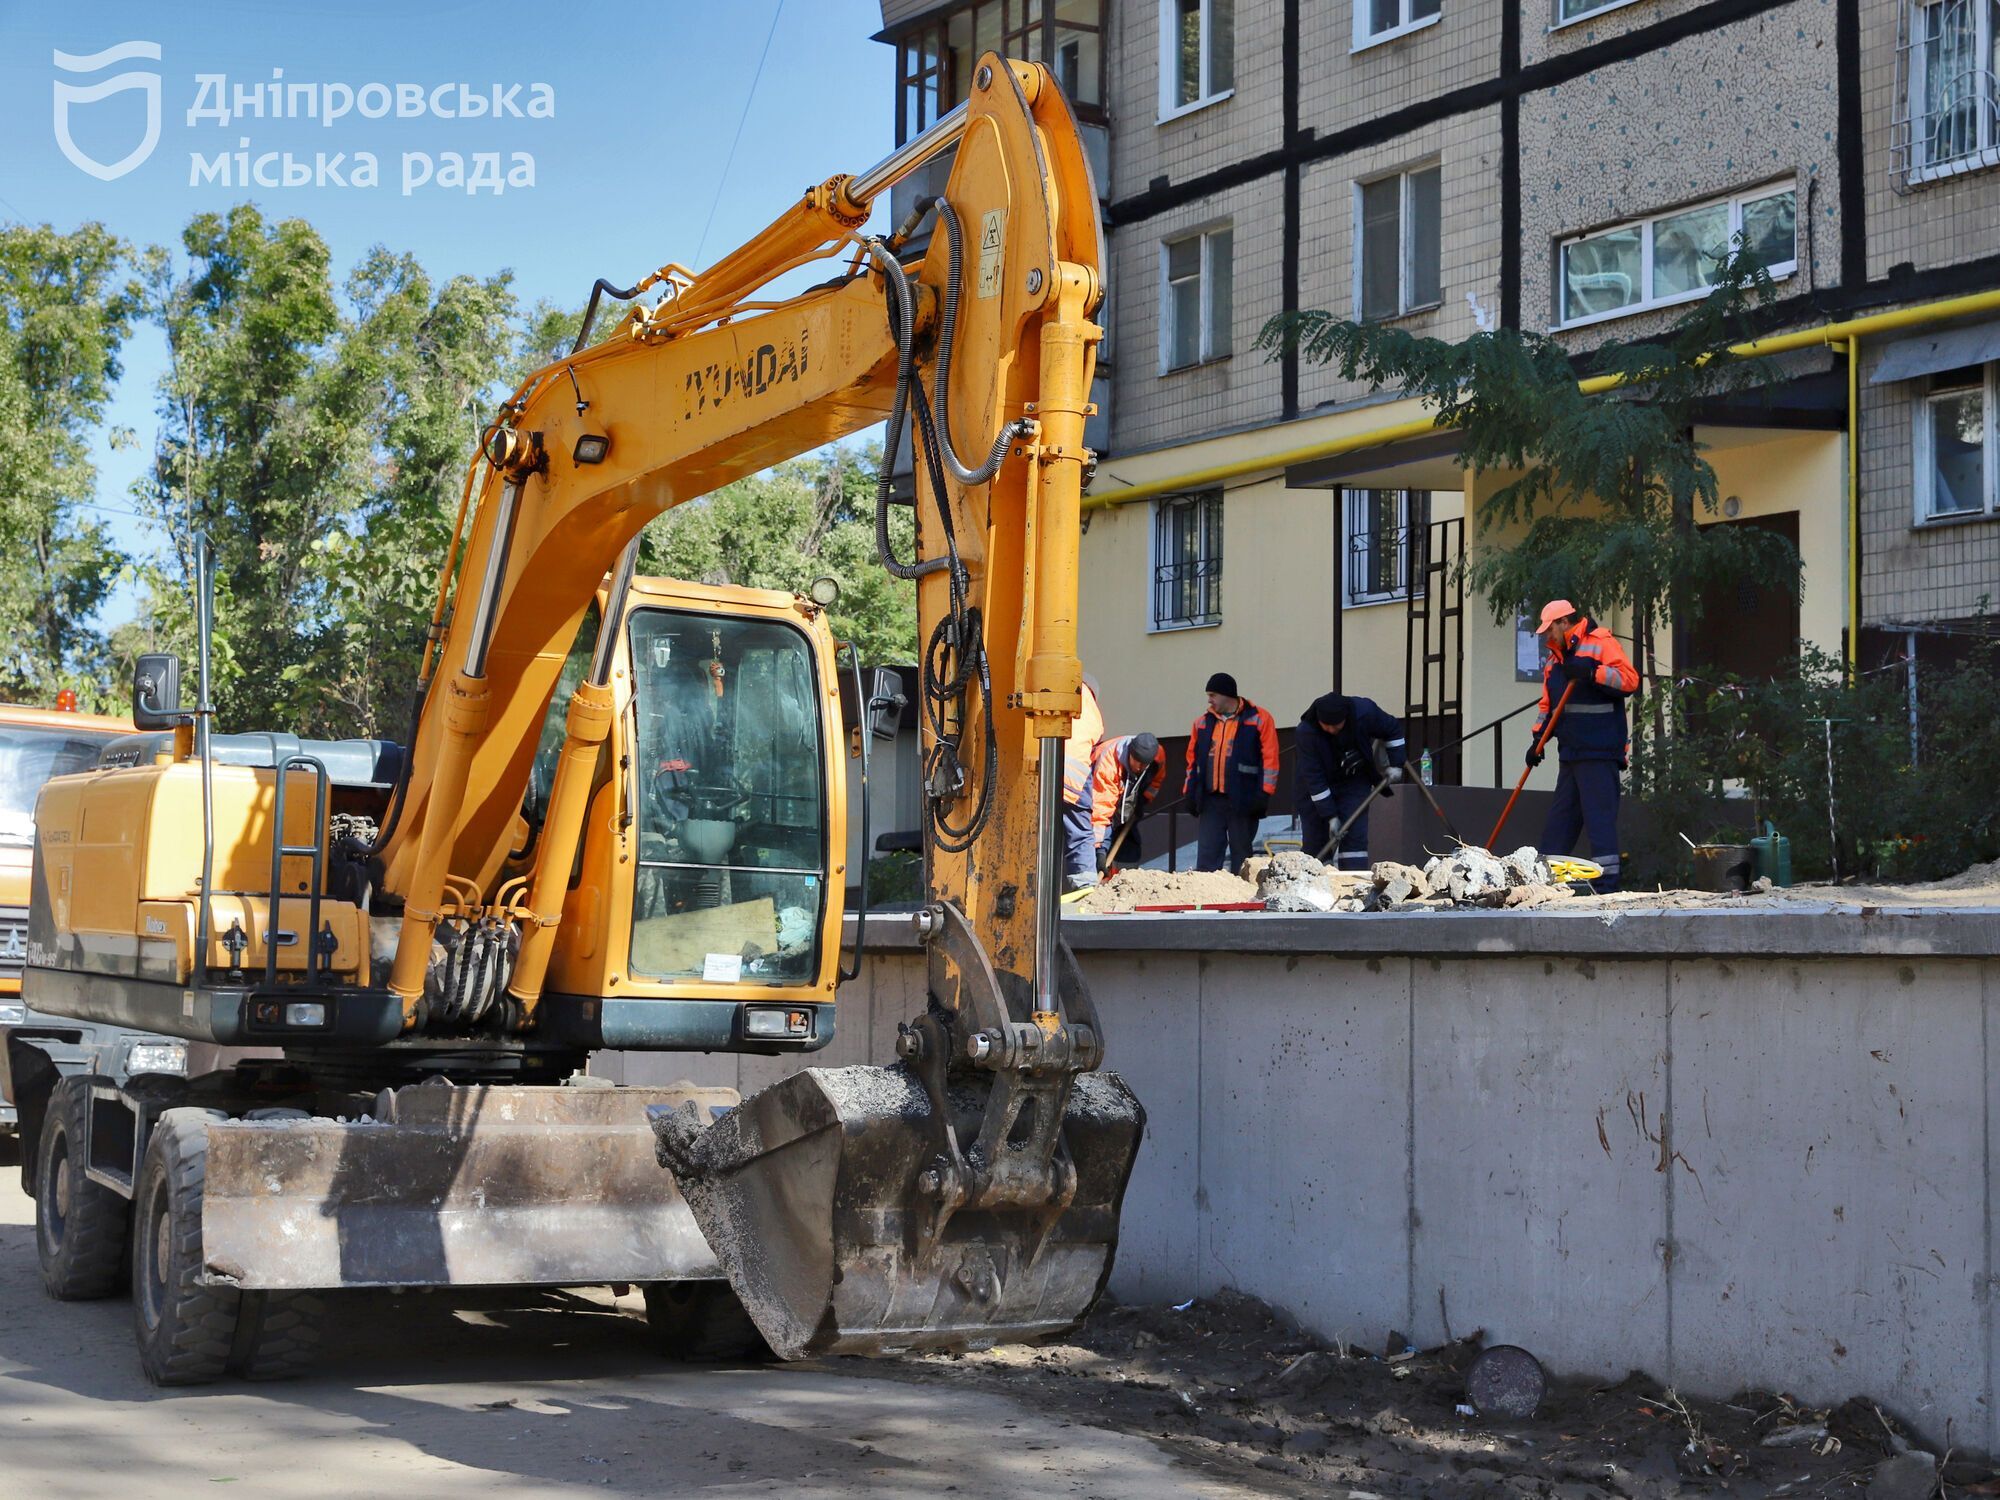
1228	1382
1134	888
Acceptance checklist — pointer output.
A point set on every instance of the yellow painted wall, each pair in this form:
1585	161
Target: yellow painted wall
1280	548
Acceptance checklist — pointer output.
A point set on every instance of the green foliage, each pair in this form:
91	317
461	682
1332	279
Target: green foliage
319	437
1768	739
782	529
1607	488
66	307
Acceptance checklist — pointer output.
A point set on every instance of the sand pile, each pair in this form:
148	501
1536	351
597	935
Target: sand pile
1130	889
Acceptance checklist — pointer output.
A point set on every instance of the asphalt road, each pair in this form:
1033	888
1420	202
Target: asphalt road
405	1403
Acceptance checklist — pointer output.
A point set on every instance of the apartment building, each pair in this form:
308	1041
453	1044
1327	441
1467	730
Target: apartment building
1566	166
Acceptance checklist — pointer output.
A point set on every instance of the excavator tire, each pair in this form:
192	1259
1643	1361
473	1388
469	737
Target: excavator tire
189	1331
186	1329
703	1322
80	1225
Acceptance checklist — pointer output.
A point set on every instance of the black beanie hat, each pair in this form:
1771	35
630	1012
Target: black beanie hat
1332	708
1223	683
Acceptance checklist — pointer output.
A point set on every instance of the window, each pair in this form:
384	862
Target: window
1397	270
1187	561
1954	84
1576	10
1385	543
1383	20
1197	306
1197	53
731	881
1672	258
935	59
1958	449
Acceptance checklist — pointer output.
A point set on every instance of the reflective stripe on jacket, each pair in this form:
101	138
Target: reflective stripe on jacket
1083	738
1325	760
1109	778
1235	758
1592	726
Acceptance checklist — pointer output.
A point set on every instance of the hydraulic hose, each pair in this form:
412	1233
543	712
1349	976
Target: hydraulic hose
903	302
623	294
947	333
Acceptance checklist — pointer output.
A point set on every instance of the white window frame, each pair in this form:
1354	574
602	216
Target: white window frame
1404	307
1155	624
1987	153
1353	500
1209	332
1364	38
1170	69
1925	453
1645	224
1560	20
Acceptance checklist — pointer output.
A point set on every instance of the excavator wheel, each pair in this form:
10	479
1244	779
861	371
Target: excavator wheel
703	1322
189	1331
80	1225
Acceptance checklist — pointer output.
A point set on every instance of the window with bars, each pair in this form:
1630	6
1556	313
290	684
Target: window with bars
1187	561
1952	78
935	59
1386	532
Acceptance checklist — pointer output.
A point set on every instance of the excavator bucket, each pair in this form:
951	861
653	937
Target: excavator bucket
817	1197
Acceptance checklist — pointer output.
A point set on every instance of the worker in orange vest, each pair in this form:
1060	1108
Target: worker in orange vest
1232	773
1591	735
1079	847
1126	774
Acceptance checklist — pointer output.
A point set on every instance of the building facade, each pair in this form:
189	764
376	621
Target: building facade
1564	166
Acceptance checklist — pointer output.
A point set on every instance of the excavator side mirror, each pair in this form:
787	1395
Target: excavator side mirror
156	691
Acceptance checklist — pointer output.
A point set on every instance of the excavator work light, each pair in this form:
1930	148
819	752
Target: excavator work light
770	1021
592	448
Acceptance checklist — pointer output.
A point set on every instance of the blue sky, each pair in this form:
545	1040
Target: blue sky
628	171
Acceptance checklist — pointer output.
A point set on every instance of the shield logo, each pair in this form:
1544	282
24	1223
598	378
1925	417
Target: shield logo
67	94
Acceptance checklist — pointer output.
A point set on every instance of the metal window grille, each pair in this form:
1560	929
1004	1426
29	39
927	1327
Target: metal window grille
1947	97
1187	561
1386	535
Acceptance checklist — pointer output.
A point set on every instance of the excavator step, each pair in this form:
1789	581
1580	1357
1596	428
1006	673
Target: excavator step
810	1196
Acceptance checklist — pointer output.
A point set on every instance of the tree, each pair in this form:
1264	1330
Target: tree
320	438
783	528
1607	488
66	307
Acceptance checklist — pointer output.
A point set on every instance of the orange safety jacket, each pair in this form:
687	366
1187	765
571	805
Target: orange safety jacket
1592	726
1246	774
1109	777
1083	738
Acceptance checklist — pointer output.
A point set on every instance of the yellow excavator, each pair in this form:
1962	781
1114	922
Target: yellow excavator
620	822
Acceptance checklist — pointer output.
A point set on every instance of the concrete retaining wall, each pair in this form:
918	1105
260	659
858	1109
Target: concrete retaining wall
1730	1149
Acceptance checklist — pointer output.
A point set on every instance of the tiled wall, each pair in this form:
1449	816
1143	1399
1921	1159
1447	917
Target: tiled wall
1911	574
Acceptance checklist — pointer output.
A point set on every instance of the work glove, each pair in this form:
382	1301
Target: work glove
1534	756
1104	851
1578	668
1258	808
1392	773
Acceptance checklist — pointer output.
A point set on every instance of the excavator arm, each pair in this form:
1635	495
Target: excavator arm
970	1191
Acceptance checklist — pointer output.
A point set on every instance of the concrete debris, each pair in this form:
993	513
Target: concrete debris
1468	875
1292	881
1525	866
1395	882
